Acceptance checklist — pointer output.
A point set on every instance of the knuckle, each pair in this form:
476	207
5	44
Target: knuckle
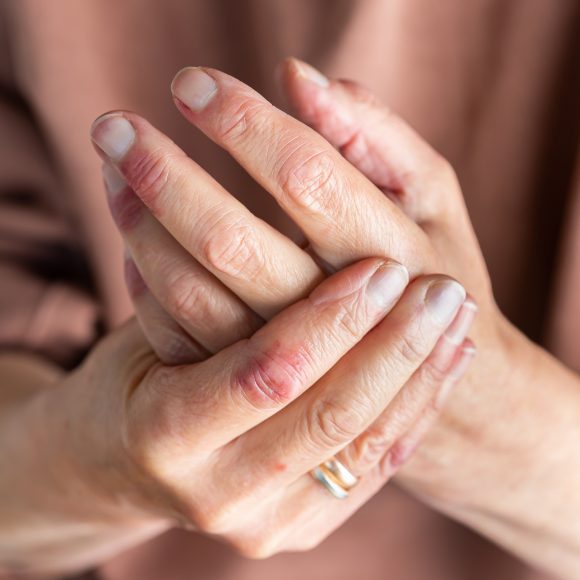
231	248
216	520
175	347
350	317
311	181
272	378
257	546
307	543
430	374
399	454
244	117
186	298
158	422
149	173
443	170
221	513
330	424
409	349
368	449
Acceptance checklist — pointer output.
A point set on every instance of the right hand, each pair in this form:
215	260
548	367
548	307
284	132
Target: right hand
224	446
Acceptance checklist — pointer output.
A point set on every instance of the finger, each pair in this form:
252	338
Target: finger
212	226
406	446
170	342
384	440
305	513
371	137
299	518
339	210
241	386
195	299
351	396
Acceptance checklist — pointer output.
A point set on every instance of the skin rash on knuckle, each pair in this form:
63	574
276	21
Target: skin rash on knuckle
150	173
273	377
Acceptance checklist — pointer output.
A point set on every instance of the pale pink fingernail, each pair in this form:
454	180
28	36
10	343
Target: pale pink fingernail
387	284
459	327
113	134
443	299
194	87
114	181
310	73
461	366
455	373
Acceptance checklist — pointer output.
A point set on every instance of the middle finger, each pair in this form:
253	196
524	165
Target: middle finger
341	212
213	226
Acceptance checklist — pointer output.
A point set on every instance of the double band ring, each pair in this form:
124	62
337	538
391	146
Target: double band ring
335	477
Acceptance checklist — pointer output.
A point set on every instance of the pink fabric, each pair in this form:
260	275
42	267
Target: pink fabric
492	84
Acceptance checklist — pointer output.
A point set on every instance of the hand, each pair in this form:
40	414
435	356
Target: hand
186	312
223	446
304	173
345	217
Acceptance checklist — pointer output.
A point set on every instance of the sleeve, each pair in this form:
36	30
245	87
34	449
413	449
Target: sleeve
46	306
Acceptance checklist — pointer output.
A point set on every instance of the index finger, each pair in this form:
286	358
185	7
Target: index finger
213	402
326	196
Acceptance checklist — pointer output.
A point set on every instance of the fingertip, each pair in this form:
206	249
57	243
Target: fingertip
303	87
285	70
308	73
468	347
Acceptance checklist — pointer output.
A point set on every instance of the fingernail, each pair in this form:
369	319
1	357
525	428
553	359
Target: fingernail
309	72
459	327
460	368
193	87
387	284
114	181
113	134
443	299
457	370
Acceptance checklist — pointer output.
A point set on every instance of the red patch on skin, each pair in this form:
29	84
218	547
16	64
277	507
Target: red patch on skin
147	173
274	376
280	467
400	454
126	208
135	283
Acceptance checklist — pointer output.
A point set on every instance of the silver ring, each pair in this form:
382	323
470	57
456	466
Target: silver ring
346	478
335	477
